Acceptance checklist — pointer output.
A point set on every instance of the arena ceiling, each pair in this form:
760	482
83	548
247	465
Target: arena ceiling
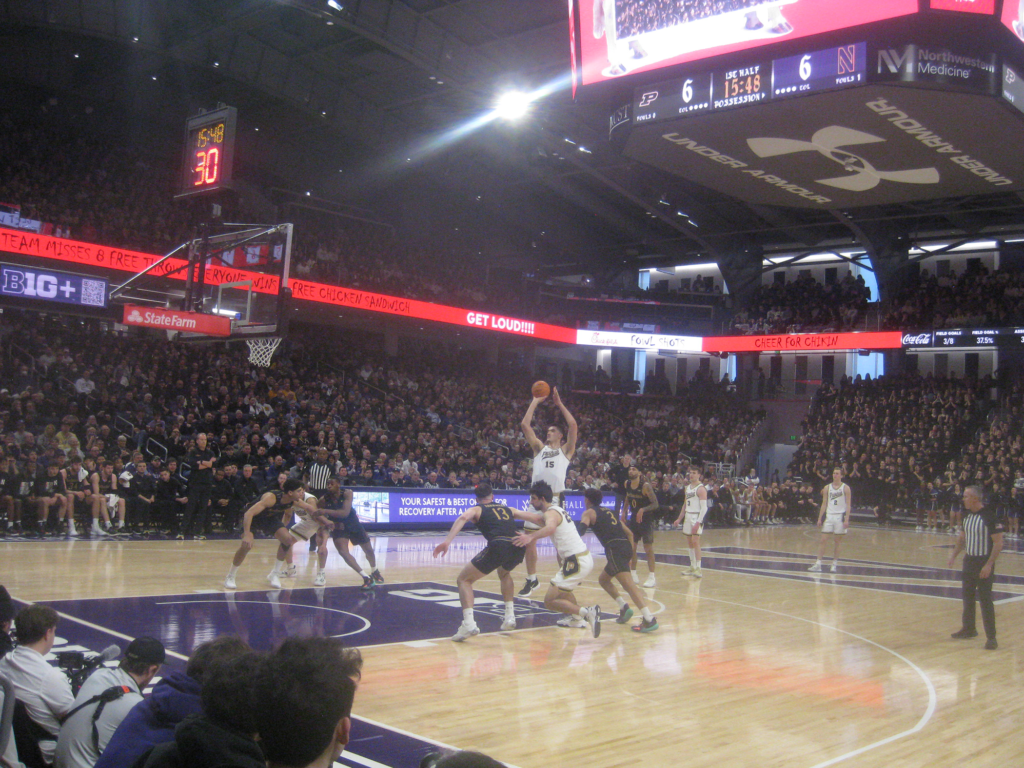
369	100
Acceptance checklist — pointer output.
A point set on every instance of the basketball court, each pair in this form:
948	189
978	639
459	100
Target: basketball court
759	663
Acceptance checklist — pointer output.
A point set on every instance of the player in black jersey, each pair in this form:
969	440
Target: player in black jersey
348	529
267	512
497	523
641	505
618	549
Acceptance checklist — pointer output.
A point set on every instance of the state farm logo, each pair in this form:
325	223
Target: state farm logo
828	142
917	340
134	317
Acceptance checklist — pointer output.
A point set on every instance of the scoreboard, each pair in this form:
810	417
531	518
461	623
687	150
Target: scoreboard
709	90
959	338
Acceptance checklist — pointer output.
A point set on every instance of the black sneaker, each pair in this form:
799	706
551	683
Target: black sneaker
377	578
964	634
646	626
625	614
991	644
367	584
529	587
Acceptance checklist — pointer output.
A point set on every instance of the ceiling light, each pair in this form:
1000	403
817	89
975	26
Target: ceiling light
135	39
335	5
585	151
512	105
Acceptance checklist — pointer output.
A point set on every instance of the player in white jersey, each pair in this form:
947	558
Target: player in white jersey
550	463
692	515
313	527
575	560
836	505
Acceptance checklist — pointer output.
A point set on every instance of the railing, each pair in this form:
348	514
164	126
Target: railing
383	392
151	442
500	447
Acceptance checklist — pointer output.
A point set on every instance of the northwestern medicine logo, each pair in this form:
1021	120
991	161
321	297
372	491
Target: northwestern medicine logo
829	142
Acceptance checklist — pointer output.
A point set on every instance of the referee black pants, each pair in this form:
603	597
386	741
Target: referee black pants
975	586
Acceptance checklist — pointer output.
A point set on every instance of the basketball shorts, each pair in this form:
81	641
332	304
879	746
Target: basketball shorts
574	570
268	524
691	525
643	531
305	529
499	553
618	553
357	536
833	524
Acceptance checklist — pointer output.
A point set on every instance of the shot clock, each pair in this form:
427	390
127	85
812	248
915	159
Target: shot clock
209	152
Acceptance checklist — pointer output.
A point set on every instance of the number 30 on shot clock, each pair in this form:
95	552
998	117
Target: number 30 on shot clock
209	152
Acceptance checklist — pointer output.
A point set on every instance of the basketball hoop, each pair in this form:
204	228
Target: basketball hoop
261	349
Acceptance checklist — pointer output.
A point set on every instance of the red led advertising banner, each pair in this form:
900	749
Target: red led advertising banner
804	342
31	244
619	37
967	6
75	252
1013	17
422	310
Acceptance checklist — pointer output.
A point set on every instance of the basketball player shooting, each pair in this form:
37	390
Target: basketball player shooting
550	463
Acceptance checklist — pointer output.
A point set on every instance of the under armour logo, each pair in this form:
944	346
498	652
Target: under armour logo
827	142
135	316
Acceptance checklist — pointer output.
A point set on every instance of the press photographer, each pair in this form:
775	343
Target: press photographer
105	699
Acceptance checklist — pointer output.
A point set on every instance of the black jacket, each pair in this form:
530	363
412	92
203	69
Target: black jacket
201	743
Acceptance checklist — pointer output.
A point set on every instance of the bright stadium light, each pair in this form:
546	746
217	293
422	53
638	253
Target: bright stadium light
512	105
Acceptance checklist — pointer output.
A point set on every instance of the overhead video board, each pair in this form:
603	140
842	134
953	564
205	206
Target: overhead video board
619	37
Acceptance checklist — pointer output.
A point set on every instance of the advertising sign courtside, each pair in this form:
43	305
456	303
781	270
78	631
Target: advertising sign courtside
177	320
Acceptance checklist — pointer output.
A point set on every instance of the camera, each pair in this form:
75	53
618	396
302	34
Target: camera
77	667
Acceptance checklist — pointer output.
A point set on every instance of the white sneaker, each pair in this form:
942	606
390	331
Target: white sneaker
290	571
688	570
918	528
320	579
651	581
71	529
97	531
464	632
698	573
833	568
636	577
816	568
274	580
509	623
593	618
572	622
229	582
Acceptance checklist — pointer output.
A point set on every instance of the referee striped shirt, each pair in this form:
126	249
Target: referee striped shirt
979	528
319	474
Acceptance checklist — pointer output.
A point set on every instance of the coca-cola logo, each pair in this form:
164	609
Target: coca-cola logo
917	340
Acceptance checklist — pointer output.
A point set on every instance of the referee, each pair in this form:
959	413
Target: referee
982	538
316	478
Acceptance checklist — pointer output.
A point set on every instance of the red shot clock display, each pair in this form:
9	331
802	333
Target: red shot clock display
209	152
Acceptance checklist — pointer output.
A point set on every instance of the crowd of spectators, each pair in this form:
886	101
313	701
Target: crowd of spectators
910	444
804	305
635	18
977	298
425	419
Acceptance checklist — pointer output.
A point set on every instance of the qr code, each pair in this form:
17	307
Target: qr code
94	293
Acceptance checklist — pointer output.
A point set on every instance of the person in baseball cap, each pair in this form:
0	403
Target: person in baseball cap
105	699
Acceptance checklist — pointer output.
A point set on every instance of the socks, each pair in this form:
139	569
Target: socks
233	571
364	574
510	610
693	557
279	567
648	616
636	578
531	577
697	563
620	602
467	617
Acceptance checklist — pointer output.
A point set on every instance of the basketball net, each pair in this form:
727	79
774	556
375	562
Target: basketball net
261	349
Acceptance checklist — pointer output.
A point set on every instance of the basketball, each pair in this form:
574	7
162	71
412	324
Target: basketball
540	389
